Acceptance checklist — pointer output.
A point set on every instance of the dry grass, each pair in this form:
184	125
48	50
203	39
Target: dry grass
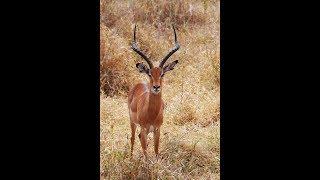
189	151
189	143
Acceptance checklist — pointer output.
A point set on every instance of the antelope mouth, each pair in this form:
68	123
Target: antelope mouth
155	91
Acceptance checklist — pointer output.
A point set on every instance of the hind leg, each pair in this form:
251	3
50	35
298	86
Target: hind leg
146	141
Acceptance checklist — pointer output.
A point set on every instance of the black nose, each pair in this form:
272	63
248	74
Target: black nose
156	87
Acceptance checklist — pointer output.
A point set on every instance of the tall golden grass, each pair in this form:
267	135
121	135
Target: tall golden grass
189	143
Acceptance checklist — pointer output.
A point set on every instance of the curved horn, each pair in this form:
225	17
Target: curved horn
137	50
173	50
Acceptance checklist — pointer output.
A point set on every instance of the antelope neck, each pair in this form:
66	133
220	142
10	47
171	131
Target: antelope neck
154	104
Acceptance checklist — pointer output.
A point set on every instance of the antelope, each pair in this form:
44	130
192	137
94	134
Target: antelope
144	100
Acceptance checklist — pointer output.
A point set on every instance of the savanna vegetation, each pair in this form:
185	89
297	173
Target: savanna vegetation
190	134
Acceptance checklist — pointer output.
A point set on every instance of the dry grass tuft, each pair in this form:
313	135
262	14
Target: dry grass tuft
189	144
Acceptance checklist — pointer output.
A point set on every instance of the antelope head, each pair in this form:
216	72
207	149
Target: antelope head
155	73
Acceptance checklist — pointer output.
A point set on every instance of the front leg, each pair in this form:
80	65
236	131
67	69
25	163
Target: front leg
156	138
133	132
143	141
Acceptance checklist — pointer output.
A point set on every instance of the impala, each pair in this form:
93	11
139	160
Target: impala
144	100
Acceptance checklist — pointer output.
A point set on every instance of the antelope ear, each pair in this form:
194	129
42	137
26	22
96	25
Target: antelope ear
142	68
170	66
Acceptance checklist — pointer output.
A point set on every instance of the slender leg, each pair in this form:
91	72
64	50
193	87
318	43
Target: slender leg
156	138
133	132
140	137
143	141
